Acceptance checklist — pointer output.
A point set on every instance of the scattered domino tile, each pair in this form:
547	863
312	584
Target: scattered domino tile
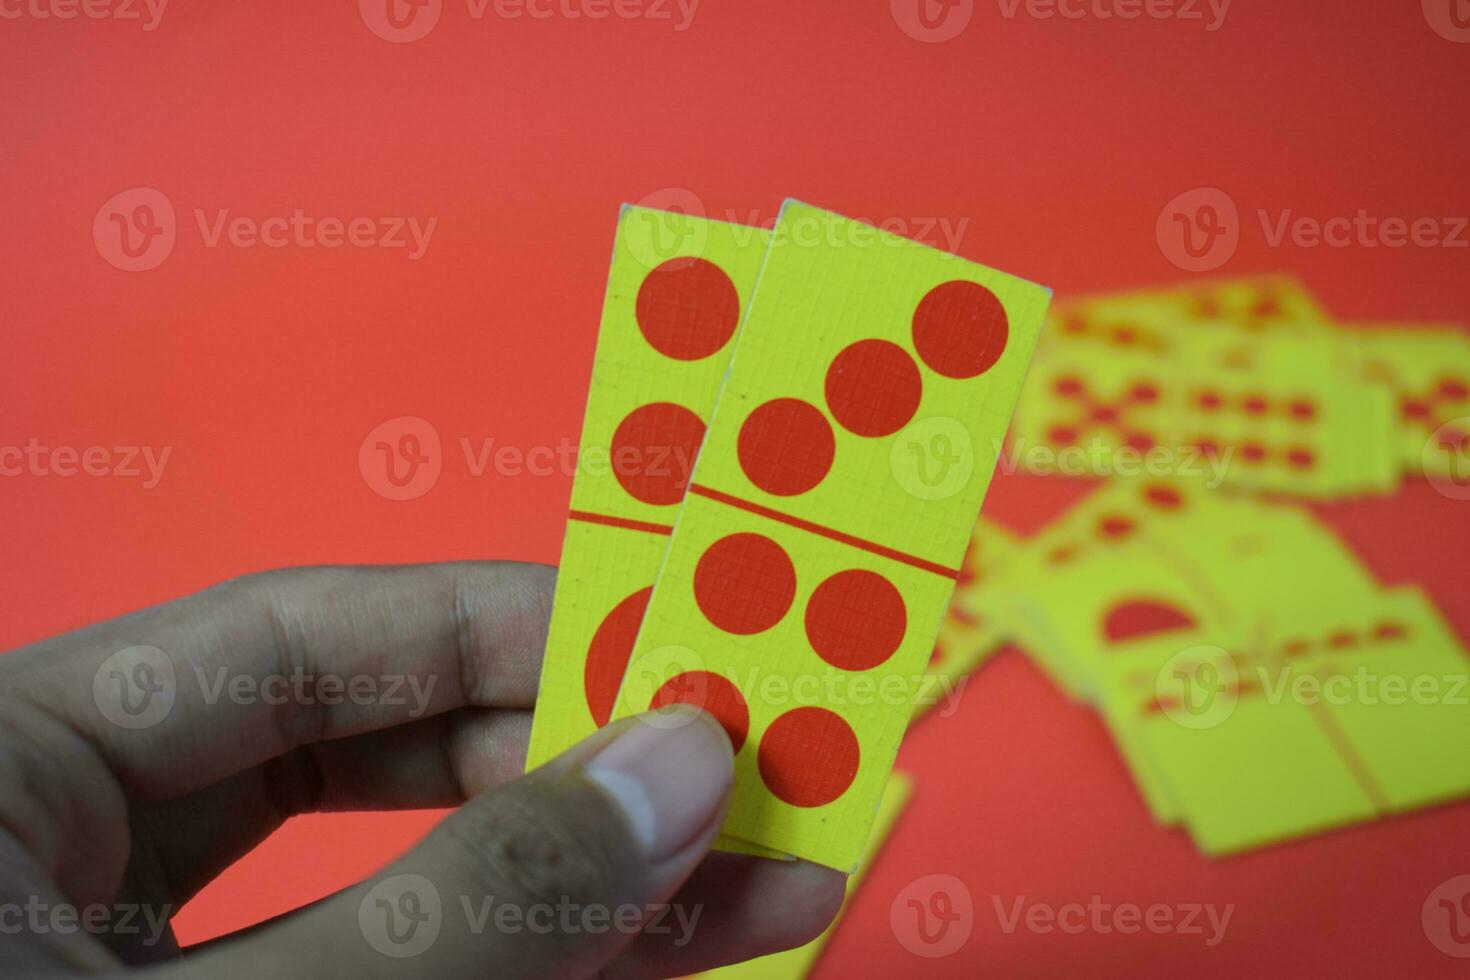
970	631
1428	373
1244	763
1149	320
1264	413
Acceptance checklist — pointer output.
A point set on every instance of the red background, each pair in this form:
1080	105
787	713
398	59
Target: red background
1060	140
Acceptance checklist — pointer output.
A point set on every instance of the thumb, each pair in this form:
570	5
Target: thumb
551	875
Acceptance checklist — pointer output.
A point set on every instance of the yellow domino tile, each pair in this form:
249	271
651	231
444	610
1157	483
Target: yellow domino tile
1153	321
1042	593
1080	413
1259	412
1428	372
1095	608
1391	685
829	513
1261	772
1293	423
675	293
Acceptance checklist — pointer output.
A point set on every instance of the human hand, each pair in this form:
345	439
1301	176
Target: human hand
142	756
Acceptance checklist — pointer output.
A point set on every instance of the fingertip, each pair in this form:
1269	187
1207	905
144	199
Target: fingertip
813	896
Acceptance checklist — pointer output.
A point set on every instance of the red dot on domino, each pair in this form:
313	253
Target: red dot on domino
873	388
744	583
609	653
809	757
653	452
712	693
786	446
960	329
687	309
856	619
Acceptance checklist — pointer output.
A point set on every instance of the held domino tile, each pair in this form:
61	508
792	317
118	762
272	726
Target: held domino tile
830	509
675	292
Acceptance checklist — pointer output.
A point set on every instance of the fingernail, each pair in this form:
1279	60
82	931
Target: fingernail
668	773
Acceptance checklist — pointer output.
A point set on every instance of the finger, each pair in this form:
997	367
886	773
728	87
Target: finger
430	764
552	875
30	945
739	907
180	696
748	907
